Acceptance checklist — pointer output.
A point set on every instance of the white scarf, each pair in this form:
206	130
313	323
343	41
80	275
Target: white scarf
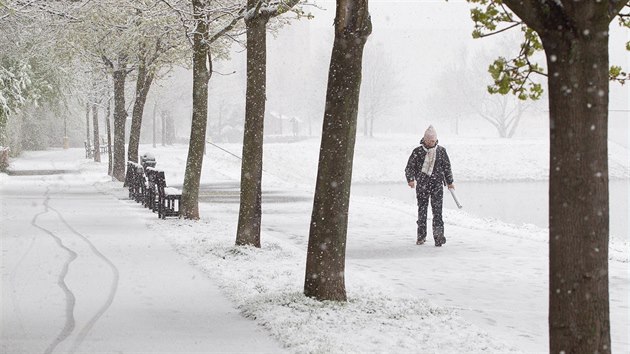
429	160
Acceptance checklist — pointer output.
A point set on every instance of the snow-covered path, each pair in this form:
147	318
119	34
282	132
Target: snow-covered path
484	291
82	273
494	276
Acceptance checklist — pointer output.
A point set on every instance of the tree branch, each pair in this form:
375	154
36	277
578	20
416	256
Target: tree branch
279	8
228	27
483	35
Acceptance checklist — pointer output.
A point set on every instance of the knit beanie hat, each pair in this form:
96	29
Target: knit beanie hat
430	133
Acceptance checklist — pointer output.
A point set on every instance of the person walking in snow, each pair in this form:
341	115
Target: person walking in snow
428	170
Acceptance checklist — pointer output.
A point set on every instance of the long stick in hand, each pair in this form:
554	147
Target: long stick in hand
452	190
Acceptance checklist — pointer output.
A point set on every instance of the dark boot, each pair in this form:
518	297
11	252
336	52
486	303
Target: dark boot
438	236
422	234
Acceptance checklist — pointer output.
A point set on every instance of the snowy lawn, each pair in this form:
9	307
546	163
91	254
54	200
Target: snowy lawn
402	298
484	291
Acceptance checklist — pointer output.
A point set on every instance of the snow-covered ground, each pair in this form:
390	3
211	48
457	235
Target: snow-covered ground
484	291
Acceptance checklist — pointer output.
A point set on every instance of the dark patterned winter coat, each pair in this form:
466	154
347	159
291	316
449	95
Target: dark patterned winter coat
441	170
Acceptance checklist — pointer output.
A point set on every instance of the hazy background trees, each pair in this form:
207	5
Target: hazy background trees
425	52
34	80
460	97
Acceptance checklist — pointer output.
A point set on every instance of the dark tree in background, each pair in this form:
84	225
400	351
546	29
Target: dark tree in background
325	262
143	84
119	72
97	141
87	126
109	137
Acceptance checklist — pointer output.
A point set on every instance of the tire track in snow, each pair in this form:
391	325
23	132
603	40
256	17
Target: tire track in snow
112	290
61	281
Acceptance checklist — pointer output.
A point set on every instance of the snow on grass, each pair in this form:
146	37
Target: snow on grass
264	284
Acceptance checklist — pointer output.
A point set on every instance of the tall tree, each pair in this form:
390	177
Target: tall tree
97	142
202	70
143	85
88	144
574	35
451	100
380	92
206	30
110	153
112	33
33	69
159	45
119	71
325	261
503	113
95	98
105	38
249	217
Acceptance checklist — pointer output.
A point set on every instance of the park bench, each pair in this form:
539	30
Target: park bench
89	149
136	182
169	199
141	184
147	185
150	198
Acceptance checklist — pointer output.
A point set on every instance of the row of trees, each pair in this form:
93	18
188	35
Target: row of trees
139	37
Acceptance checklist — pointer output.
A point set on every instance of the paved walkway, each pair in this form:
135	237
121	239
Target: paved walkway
81	273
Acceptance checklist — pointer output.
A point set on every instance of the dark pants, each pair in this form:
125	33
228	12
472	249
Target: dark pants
431	189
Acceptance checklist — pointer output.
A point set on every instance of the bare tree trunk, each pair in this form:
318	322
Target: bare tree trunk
201	76
371	127
120	118
143	84
163	128
110	153
578	190
97	142
87	126
325	262
154	124
249	217
516	120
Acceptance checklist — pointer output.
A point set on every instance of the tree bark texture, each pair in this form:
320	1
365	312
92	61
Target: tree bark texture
120	118
325	262
87	125
578	192
154	123
249	217
575	39
201	76
110	153
143	85
163	120
97	141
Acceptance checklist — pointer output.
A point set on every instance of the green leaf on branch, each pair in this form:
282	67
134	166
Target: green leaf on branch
617	74
509	75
